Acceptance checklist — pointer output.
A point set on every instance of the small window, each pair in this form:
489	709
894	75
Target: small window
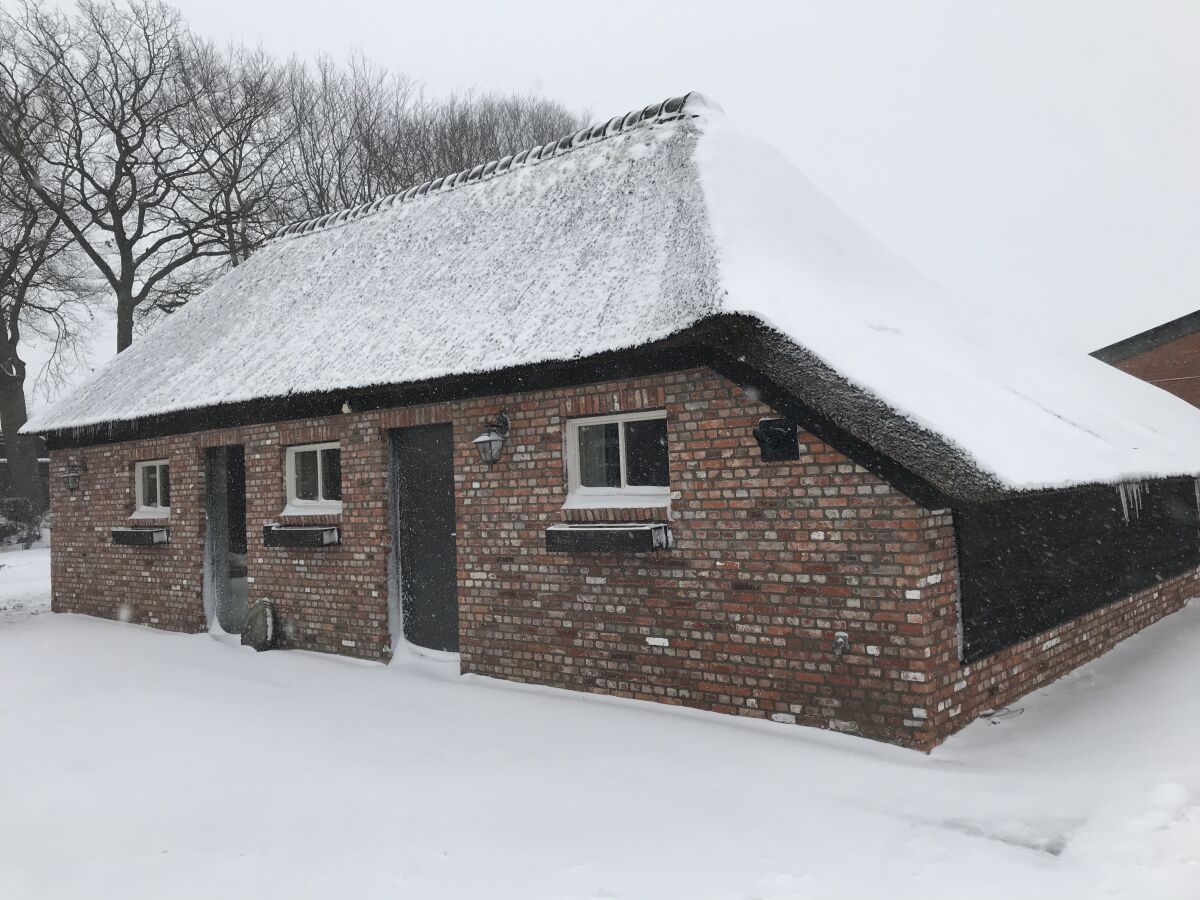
152	487
314	479
618	460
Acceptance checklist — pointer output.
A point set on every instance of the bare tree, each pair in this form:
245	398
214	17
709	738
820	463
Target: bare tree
241	119
96	101
41	289
346	124
164	158
453	134
362	132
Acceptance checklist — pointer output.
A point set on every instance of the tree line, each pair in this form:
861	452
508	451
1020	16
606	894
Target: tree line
139	159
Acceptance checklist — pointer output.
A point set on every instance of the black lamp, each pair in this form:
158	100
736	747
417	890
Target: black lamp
71	475
491	443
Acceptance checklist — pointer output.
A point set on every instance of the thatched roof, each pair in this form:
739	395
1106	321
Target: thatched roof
625	234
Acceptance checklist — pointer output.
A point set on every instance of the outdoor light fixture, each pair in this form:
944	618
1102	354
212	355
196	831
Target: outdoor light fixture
777	440
491	443
841	643
71	476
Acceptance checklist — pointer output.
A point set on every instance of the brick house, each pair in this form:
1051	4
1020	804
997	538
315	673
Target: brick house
641	413
1167	356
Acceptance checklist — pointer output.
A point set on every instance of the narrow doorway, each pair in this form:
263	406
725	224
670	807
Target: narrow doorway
424	535
225	589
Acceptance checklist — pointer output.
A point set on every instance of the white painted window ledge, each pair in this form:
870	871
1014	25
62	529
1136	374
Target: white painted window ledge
617	501
313	508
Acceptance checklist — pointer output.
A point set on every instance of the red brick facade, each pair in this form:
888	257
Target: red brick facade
770	561
963	692
1173	366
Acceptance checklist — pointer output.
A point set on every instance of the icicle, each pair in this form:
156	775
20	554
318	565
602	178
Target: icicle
1130	493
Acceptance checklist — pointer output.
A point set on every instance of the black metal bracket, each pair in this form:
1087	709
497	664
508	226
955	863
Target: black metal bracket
141	537
634	537
276	535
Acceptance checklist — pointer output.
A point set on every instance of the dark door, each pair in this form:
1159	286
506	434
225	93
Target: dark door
423	467
225	584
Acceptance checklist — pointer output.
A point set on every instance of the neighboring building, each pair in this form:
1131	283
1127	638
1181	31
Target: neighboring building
641	413
43	462
1167	356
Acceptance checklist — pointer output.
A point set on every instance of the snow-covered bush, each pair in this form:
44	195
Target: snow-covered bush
20	522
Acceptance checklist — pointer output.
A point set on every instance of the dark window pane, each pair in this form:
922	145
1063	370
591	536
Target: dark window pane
331	474
149	486
164	486
646	453
599	455
306	475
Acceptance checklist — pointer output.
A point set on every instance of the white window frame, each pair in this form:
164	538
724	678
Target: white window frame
581	497
141	510
300	507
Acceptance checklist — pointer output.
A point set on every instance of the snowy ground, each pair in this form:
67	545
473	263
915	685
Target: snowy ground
140	764
24	582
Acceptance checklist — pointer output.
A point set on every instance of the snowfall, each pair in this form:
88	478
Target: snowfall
140	764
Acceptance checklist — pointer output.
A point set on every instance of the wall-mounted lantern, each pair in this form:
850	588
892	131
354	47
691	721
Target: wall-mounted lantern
491	443
841	643
71	475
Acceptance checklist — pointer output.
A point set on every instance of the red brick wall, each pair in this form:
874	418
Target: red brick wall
157	585
964	691
326	597
770	561
1174	367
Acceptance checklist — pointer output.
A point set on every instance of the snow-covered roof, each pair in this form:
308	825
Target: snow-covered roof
621	235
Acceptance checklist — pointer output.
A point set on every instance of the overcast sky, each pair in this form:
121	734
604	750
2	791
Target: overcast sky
1038	157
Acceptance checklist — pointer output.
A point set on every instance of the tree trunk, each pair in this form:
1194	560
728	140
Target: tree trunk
125	308
22	458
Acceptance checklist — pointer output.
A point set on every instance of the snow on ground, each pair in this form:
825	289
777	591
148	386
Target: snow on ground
141	764
24	581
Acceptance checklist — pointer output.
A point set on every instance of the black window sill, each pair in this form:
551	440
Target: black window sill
311	536
630	537
141	537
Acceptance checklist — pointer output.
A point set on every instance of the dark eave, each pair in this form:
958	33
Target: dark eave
919	463
924	465
1149	339
756	358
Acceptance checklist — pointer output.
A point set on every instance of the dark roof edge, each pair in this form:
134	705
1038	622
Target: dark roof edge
666	111
727	344
1150	338
925	466
922	465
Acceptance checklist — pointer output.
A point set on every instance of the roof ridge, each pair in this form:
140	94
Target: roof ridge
668	110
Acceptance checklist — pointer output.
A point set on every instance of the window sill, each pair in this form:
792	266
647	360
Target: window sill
617	501
152	514
140	537
302	509
609	538
302	536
